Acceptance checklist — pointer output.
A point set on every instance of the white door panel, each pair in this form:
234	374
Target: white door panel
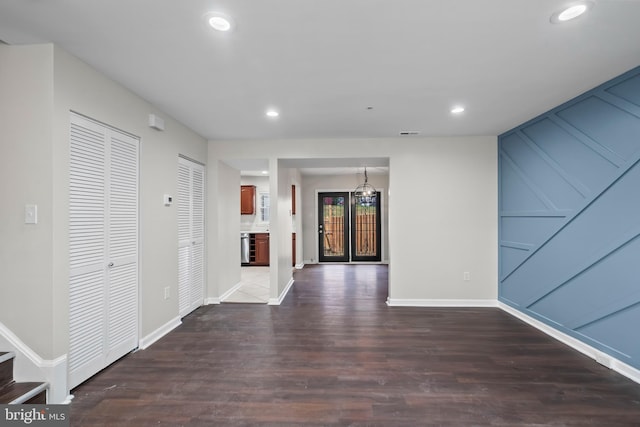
103	247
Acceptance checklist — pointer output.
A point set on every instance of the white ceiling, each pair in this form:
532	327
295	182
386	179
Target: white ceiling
323	62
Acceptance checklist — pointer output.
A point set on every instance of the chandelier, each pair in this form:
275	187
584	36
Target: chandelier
365	193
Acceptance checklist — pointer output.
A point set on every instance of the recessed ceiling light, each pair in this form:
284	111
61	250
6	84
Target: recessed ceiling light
571	11
272	113
219	21
265	172
457	110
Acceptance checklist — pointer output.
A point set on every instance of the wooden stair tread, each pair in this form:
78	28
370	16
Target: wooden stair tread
6	368
14	392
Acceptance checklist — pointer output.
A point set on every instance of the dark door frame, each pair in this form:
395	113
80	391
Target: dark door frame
353	233
349	229
322	236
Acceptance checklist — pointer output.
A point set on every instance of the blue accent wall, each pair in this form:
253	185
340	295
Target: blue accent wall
569	205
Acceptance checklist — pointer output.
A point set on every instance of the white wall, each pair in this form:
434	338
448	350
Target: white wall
26	167
311	184
39	86
280	236
443	219
223	229
434	236
296	222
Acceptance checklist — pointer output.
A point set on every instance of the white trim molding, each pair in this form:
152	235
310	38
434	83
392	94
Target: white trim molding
396	302
229	292
597	355
163	330
29	366
278	301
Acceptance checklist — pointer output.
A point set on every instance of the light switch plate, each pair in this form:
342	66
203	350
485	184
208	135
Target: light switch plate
31	214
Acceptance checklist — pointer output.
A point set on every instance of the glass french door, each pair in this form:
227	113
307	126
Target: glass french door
348	229
333	227
365	223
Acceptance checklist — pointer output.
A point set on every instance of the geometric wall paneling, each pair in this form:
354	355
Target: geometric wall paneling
627	89
522	234
609	125
525	197
606	284
616	334
549	182
569	226
587	169
610	220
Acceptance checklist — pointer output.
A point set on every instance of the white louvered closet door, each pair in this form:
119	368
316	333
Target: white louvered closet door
190	236
103	241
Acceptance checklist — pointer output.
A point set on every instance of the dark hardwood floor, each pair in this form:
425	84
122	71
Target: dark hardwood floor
335	354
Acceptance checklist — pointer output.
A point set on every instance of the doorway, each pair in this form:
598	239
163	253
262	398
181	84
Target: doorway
348	231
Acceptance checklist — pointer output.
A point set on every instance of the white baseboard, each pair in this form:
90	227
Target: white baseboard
278	301
163	330
396	302
230	291
29	366
597	355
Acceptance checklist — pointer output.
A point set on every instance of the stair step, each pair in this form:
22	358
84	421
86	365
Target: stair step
6	368
12	392
27	392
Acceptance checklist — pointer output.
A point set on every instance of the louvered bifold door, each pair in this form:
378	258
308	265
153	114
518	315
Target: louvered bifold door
184	237
190	236
87	251
122	266
197	235
103	247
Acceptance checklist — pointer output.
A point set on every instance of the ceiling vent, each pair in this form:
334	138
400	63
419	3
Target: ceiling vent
409	132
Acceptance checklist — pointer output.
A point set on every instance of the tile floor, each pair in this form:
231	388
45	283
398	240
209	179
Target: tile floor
254	288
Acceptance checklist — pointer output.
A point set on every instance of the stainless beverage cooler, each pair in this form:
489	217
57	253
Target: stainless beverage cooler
244	249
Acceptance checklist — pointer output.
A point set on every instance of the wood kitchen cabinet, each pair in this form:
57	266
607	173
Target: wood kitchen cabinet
247	200
261	249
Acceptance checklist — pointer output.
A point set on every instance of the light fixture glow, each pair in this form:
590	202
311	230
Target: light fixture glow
265	172
365	193
572	11
272	113
457	110
219	21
